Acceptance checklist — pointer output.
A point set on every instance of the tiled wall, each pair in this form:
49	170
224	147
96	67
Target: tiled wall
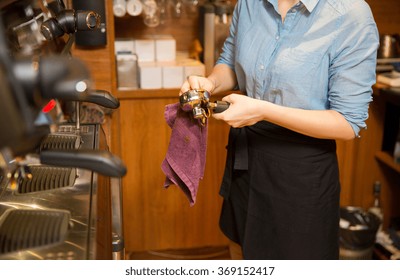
387	15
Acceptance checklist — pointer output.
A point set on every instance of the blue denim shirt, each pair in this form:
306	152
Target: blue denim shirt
323	56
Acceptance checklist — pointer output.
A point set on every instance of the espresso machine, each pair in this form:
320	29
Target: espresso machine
55	176
214	21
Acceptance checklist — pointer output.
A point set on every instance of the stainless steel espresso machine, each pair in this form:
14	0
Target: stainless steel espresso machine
59	183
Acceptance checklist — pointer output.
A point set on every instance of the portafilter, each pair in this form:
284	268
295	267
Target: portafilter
198	101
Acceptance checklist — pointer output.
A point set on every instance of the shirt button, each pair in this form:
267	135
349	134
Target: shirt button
262	67
293	10
277	37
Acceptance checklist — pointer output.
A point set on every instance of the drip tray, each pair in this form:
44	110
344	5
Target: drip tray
46	178
60	142
22	229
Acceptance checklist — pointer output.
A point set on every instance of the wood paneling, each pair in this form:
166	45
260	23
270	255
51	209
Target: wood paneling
386	14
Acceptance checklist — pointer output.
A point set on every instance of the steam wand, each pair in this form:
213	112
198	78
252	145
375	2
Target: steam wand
77	112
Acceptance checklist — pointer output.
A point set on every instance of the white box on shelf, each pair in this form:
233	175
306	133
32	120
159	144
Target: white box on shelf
195	70
150	75
172	74
145	50
127	72
165	48
192	67
122	45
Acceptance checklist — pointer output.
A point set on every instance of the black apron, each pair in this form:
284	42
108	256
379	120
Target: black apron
281	194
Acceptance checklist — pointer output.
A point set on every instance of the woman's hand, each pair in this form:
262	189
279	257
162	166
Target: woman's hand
197	82
242	111
221	79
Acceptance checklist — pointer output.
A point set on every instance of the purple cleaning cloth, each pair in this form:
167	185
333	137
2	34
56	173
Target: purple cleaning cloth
185	160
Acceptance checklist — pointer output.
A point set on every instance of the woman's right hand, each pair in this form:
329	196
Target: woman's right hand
197	82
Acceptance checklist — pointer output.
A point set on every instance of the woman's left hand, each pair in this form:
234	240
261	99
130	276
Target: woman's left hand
242	111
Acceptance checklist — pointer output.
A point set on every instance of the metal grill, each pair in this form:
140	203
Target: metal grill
60	142
46	178
23	229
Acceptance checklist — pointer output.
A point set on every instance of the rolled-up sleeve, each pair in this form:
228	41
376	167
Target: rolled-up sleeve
228	49
352	72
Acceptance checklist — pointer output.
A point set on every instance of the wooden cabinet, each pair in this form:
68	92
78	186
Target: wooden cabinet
156	218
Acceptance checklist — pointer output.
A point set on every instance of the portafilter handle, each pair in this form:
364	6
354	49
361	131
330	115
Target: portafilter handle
69	80
102	98
218	106
59	77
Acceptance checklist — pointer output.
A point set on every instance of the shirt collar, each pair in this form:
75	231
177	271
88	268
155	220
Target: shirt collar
309	4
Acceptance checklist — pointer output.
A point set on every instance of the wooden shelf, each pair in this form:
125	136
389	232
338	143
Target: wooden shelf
155	93
148	93
388	160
